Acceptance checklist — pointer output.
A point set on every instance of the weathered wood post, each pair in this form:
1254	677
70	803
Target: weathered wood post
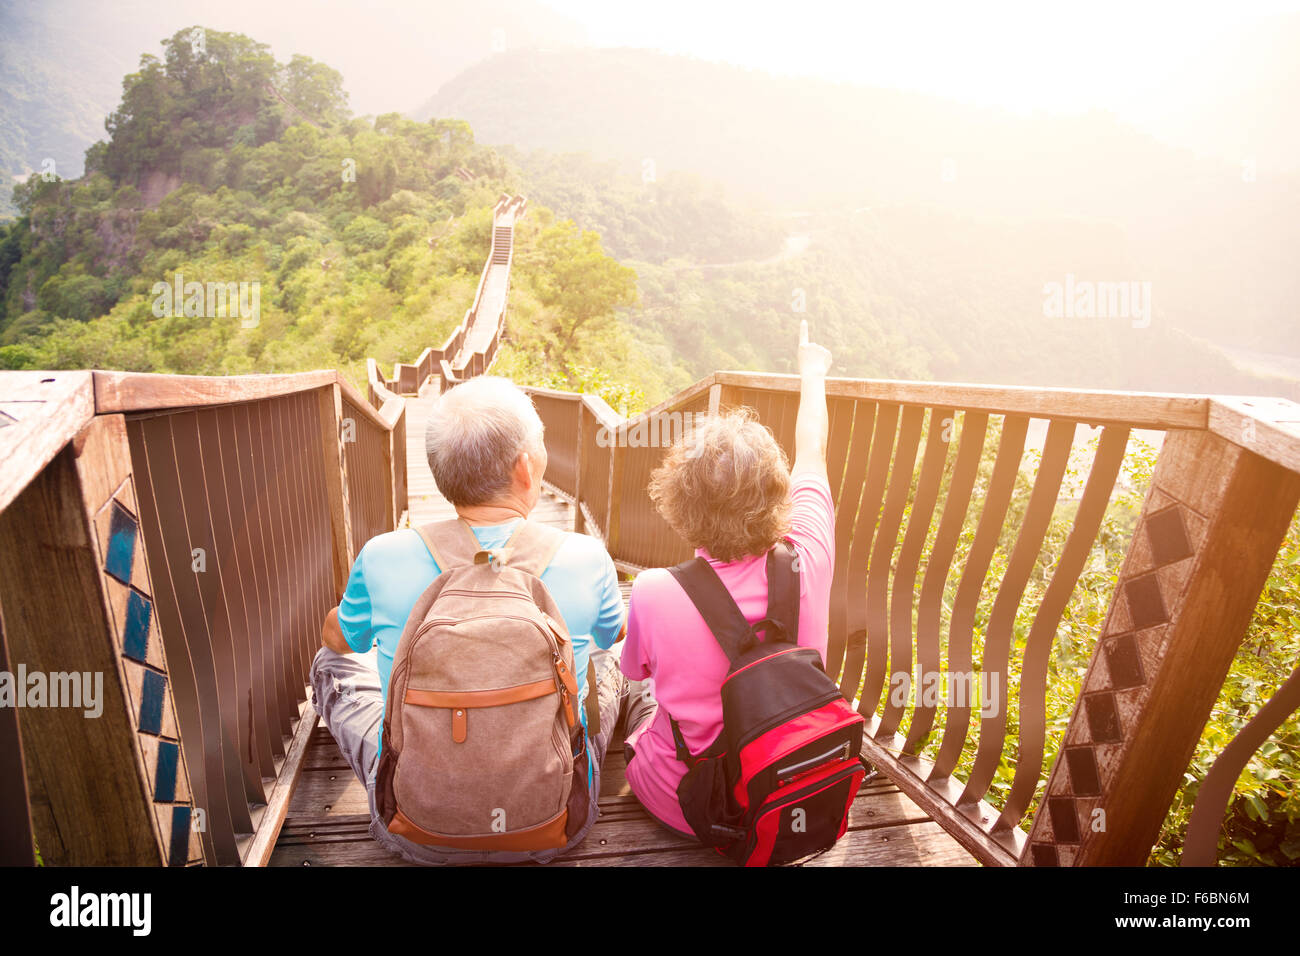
580	410
336	486
16	846
616	459
107	779
1212	522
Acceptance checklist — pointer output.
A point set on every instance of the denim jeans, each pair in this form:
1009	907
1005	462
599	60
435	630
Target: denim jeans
348	698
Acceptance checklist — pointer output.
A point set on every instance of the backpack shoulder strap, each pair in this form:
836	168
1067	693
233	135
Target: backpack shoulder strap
782	592
530	548
451	542
715	604
718	608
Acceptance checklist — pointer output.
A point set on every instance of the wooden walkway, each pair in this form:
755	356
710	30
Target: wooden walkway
328	823
328	820
425	502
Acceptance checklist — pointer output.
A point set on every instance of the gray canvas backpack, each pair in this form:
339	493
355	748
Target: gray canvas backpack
483	748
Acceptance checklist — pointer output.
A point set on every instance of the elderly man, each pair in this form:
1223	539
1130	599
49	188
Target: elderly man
485	449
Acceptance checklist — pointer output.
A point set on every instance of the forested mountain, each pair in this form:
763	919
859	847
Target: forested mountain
62	61
1214	240
352	238
229	165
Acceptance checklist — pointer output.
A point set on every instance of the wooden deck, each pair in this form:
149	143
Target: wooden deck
328	821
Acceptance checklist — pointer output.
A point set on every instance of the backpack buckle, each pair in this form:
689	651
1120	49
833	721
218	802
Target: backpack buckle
495	558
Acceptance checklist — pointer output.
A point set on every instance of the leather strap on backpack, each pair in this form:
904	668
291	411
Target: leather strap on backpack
451	543
530	548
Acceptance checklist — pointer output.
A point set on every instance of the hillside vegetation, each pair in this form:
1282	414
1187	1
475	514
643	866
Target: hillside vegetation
362	238
898	290
1086	195
62	61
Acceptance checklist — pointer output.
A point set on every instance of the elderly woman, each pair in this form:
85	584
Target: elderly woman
485	449
728	491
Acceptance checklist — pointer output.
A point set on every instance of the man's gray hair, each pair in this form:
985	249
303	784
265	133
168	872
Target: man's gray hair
475	434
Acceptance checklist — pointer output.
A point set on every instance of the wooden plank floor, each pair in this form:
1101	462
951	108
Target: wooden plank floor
424	502
328	823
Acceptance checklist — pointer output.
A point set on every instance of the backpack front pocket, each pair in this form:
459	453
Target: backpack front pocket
497	767
795	822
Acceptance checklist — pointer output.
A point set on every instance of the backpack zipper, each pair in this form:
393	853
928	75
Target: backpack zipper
467	592
545	628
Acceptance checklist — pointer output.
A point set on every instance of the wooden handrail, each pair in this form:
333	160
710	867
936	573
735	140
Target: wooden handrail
379	393
184	536
209	522
889	451
1147	410
60	403
143	391
504	214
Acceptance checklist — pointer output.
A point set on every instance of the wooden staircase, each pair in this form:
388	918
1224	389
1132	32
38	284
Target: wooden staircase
502	244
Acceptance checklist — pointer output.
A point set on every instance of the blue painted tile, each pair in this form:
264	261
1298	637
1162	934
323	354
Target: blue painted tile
121	545
135	636
164	777
153	690
179	851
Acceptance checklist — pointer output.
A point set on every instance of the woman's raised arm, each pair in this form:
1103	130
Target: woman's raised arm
811	424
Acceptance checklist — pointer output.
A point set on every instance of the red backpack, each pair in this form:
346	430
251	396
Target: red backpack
777	783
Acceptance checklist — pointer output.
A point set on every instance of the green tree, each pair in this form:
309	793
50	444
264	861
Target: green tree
578	284
315	89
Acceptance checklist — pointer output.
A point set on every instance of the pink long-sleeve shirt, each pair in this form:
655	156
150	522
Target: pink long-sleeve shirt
668	642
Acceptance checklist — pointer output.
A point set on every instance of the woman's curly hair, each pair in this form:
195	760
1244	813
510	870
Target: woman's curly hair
725	487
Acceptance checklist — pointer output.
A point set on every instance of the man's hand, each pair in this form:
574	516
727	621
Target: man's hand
814	359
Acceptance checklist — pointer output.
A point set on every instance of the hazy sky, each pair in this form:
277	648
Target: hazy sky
1061	56
1221	78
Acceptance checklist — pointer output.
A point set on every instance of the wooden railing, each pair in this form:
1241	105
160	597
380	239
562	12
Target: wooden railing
905	467
181	537
453	362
